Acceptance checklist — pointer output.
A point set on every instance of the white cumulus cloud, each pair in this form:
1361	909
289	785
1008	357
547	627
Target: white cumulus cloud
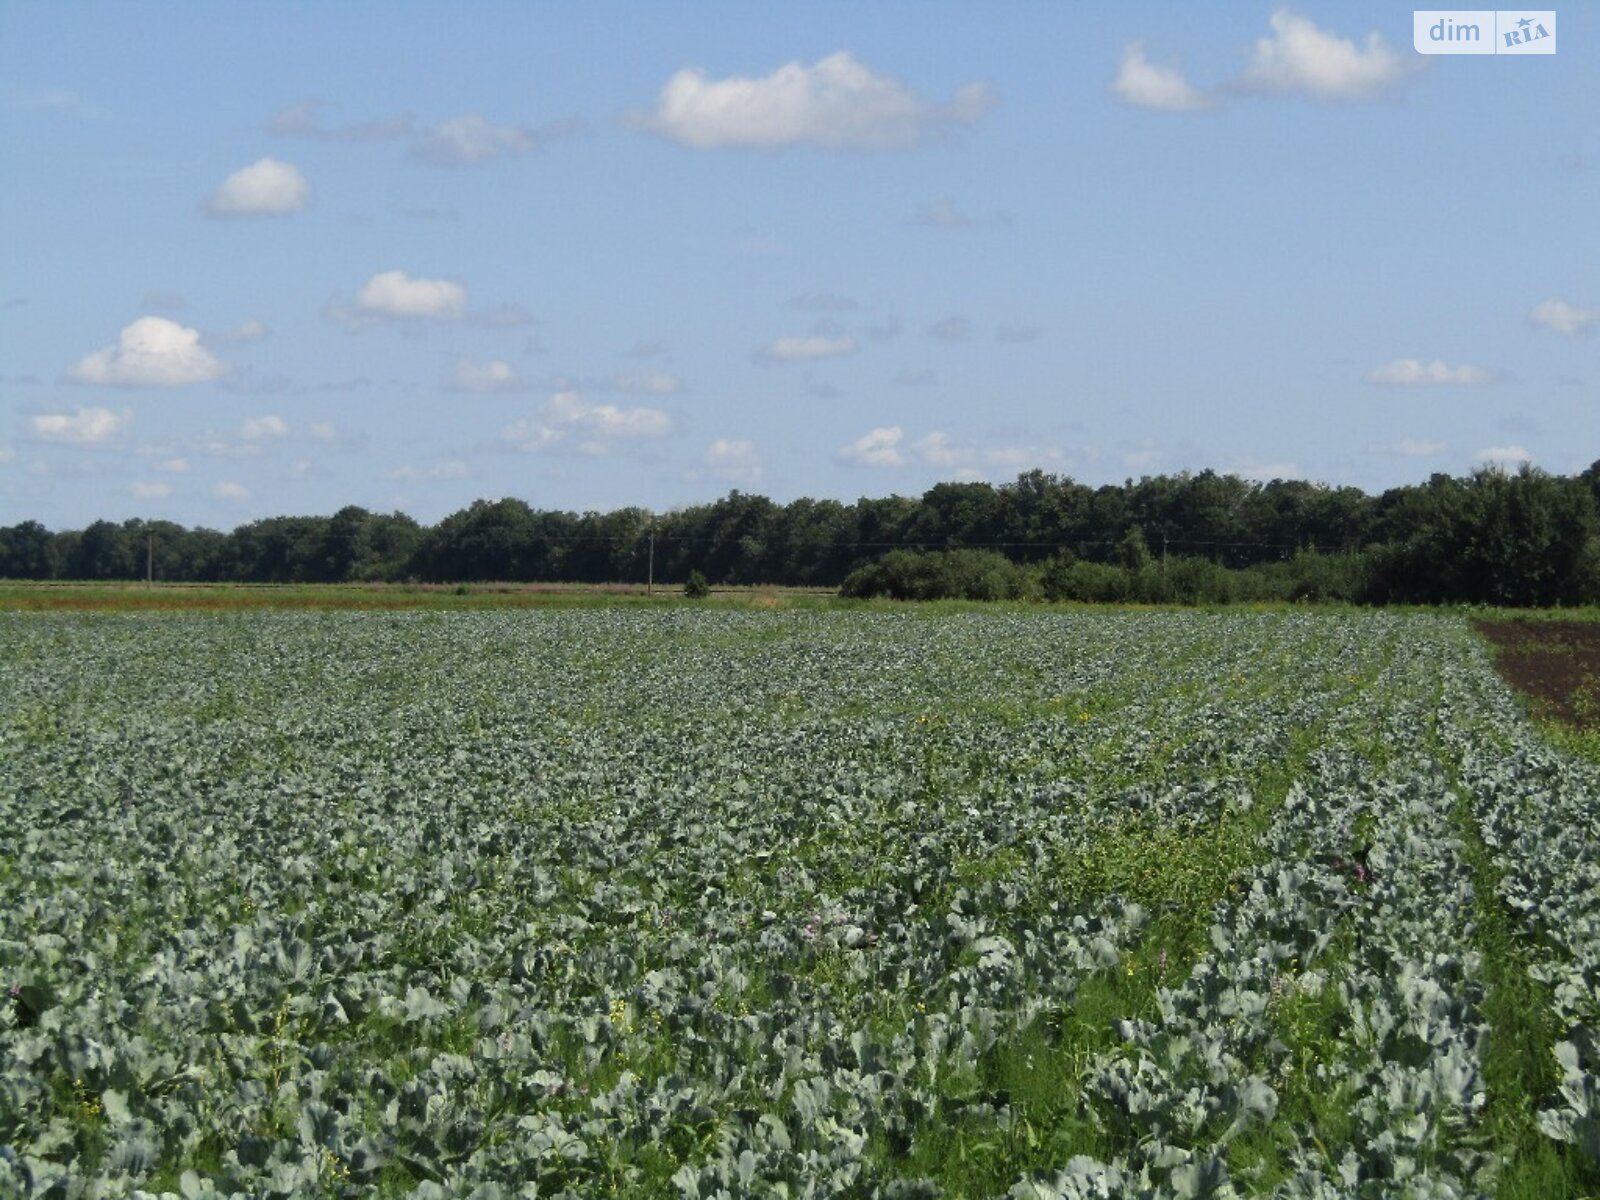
266	188
569	410
396	294
836	104
82	427
791	349
1411	372
1569	320
141	490
231	491
1145	84
495	375
567	420
152	352
176	466
1300	59
876	448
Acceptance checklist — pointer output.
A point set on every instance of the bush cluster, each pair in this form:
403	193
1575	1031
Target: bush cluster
1350	578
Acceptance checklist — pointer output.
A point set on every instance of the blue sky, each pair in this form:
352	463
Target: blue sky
269	258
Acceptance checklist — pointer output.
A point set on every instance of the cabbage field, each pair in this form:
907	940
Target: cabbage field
687	902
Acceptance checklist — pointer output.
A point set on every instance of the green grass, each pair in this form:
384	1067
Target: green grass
1583	743
1035	1073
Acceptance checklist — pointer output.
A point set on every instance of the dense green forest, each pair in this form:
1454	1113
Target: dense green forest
1524	538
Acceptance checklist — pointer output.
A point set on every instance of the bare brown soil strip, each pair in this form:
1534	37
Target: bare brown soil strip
1556	664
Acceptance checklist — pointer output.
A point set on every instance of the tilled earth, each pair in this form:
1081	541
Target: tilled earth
1554	663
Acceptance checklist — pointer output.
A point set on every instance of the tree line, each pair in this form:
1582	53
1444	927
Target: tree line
1523	538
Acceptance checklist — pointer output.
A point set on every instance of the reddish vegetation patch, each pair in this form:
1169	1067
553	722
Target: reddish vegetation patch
1556	664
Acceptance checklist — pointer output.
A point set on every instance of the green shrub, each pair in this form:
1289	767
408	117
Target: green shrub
696	587
939	575
1088	583
1191	581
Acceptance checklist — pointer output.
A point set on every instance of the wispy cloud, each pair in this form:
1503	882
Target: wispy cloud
1411	372
1569	320
649	383
303	120
954	457
473	140
1265	472
495	375
264	429
245	331
1017	334
468	140
943	214
54	100
1146	456
821	302
733	460
567	421
501	316
798	349
1504	456
453	469
876	448
82	427
1409	448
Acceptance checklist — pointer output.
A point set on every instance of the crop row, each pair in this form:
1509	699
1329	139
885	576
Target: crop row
702	904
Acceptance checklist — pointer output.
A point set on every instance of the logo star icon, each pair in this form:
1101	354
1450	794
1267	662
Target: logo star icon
1524	23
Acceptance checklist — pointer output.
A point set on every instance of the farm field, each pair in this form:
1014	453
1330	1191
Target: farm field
695	902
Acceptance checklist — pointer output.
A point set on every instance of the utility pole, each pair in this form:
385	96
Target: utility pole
1163	554
149	559
650	579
